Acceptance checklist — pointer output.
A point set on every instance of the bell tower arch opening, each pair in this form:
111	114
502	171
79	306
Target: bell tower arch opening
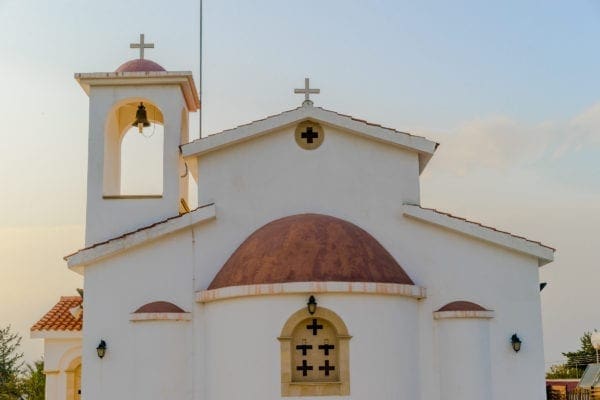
134	149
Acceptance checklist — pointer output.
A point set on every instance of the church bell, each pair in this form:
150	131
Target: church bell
141	118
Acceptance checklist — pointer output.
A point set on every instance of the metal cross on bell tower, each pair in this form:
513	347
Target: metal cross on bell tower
307	91
141	45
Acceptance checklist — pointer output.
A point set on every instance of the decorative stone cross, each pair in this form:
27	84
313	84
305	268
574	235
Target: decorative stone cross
304	348
326	368
305	368
309	135
141	45
314	327
307	91
326	347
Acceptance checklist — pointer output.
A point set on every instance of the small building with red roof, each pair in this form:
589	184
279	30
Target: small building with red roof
61	329
305	265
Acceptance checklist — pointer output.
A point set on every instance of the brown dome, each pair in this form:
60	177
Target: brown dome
309	248
139	65
159	307
462	306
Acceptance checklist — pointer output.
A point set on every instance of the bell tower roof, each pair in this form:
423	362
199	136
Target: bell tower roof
143	72
140	65
140	78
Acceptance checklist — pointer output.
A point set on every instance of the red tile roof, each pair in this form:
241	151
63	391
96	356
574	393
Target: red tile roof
59	318
486	226
462	306
159	307
310	248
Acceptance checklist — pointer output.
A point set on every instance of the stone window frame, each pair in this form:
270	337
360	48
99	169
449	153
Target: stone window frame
291	388
313	145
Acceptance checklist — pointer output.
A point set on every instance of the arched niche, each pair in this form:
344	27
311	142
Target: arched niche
463	342
317	343
130	156
70	358
70	364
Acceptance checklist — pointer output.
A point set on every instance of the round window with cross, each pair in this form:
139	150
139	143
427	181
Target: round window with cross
309	135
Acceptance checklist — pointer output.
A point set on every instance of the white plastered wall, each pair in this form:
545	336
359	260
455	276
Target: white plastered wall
160	350
455	267
464	354
240	338
59	357
116	287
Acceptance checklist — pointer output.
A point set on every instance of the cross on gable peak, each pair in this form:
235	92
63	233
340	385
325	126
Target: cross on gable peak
141	45
307	91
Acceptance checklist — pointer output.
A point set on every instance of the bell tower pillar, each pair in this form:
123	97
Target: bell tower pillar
118	103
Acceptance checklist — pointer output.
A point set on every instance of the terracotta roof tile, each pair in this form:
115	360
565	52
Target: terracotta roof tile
486	226
59	318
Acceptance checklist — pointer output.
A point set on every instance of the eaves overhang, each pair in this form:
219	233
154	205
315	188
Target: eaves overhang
184	79
47	334
543	253
96	252
424	147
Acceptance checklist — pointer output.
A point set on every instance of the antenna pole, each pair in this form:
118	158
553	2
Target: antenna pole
200	78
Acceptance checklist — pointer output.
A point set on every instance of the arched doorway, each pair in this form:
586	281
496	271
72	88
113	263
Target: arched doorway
73	373
77	380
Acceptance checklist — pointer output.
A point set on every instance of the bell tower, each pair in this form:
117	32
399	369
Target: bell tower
139	96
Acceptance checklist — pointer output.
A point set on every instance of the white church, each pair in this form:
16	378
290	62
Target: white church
304	266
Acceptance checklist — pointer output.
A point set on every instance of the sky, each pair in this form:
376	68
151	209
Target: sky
510	89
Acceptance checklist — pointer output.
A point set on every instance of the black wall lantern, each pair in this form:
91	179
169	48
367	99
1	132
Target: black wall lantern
311	305
101	349
516	343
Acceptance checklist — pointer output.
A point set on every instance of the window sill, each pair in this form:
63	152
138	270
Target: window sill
157	316
335	388
133	197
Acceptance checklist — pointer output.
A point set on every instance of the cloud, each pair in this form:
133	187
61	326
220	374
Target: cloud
582	130
502	143
495	142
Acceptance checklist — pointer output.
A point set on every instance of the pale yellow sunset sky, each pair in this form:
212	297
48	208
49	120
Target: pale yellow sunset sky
510	90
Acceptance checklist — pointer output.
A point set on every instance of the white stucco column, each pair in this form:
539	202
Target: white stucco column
463	343
162	359
52	378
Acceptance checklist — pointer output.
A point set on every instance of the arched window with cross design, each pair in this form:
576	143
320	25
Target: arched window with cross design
314	354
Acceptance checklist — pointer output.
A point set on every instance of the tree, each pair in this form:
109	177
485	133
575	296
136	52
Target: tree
577	361
563	371
10	364
33	383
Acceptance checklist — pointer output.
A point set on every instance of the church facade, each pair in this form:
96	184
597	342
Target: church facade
308	267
